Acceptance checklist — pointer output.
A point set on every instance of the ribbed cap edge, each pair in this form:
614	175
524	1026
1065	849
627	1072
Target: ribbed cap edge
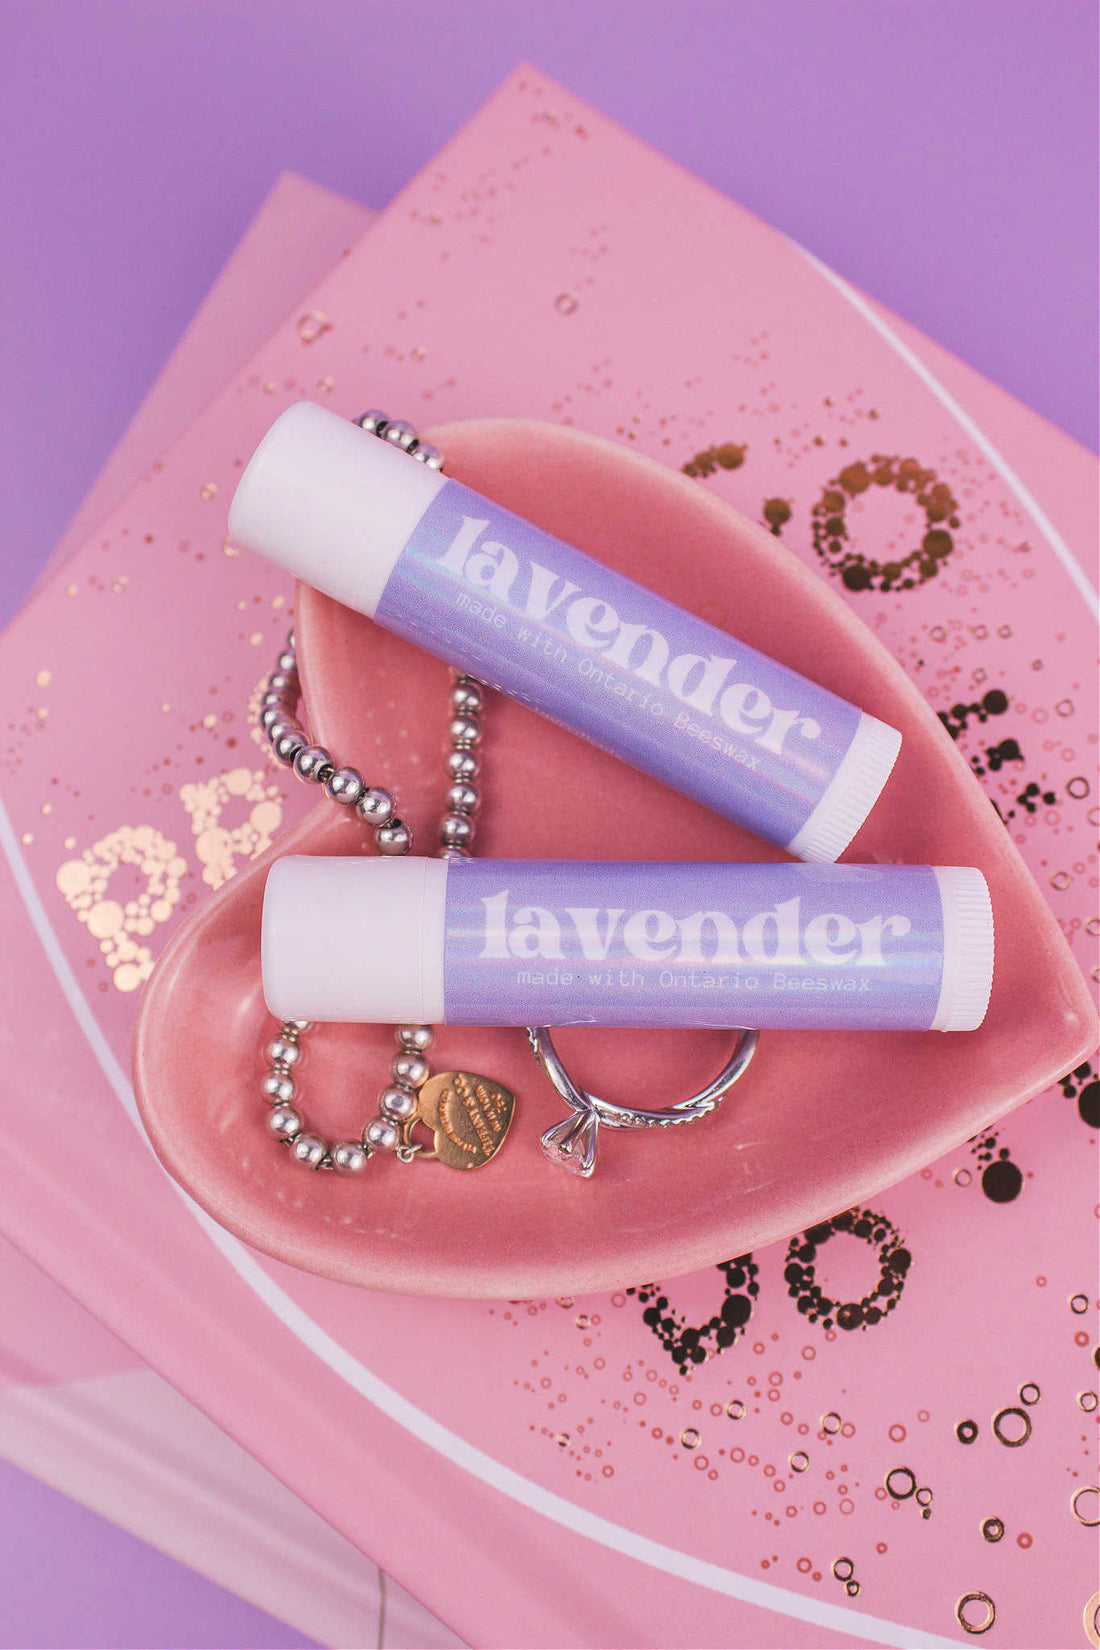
968	949
851	794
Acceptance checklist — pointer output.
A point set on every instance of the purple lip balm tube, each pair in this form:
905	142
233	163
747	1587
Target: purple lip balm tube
555	942
493	595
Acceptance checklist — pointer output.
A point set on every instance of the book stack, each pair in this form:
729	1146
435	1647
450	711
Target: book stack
548	1471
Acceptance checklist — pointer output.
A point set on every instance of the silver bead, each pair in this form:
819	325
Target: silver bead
284	1051
401	433
312	764
344	785
467	695
394	838
373	421
410	1069
300	1025
350	1157
375	806
283	681
462	764
290	641
418	1037
284	1121
465	730
462	798
278	1088
309	1150
454	853
272	713
456	831
397	1103
287	661
287	742
429	455
383	1135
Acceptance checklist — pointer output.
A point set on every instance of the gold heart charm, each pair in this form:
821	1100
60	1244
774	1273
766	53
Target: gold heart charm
469	1116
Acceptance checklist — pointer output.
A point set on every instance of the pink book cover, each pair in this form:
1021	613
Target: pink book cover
543	1472
78	1408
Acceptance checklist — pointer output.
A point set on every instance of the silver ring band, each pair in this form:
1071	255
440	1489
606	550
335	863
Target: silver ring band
571	1144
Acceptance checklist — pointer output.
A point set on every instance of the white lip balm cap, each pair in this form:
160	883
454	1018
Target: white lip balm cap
850	794
330	503
967	949
354	939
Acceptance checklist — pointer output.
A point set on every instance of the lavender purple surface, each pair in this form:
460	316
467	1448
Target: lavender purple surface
553	942
942	156
72	1579
630	672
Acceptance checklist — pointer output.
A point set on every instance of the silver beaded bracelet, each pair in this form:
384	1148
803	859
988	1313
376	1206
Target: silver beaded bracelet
469	1114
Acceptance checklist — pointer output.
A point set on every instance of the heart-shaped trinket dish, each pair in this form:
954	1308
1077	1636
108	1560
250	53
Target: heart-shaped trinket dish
819	1122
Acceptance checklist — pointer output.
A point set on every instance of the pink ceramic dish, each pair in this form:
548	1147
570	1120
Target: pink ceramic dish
821	1121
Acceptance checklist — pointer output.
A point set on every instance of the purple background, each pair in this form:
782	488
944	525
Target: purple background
70	1578
941	154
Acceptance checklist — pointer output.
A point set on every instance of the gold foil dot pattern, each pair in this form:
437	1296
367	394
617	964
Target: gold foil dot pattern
1091	1621
313	325
901	1483
1012	1427
121	925
219	847
728	455
969	1620
255	731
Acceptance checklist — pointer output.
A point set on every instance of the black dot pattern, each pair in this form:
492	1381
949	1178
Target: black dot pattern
995	757
1002	1180
1083	1085
688	1344
894	1262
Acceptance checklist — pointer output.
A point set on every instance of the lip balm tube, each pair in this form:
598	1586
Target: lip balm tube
556	942
485	590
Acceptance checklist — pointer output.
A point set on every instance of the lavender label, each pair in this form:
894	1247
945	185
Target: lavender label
622	667
531	942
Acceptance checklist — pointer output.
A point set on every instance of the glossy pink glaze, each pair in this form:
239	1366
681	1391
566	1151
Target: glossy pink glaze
821	1120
